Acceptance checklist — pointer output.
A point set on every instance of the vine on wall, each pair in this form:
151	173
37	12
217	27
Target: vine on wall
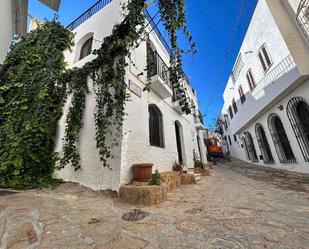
31	100
34	85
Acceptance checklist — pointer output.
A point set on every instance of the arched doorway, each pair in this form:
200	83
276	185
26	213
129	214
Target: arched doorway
245	146
263	144
280	139
298	113
179	142
251	147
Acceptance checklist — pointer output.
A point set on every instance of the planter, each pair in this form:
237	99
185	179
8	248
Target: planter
142	172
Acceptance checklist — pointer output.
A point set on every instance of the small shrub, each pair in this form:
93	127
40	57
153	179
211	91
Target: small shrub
177	166
155	178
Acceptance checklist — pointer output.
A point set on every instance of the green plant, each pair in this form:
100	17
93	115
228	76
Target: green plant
177	166
32	94
155	178
34	84
197	161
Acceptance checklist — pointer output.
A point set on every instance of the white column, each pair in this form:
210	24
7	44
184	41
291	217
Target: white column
202	147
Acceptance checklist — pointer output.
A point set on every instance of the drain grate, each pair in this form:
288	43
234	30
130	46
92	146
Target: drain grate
137	214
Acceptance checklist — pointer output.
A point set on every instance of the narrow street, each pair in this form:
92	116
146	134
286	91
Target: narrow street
237	206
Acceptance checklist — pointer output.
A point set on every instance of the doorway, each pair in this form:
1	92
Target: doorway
178	130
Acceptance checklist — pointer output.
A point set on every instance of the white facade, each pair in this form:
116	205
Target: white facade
135	146
282	79
13	21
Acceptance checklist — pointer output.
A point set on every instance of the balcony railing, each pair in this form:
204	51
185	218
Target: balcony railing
100	5
302	18
285	66
88	13
158	67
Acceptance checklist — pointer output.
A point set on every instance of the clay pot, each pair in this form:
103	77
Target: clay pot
142	172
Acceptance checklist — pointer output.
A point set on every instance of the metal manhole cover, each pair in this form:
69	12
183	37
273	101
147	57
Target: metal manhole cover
7	192
134	216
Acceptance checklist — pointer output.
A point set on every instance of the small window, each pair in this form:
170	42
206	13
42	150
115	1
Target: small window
234	106
231	112
86	48
230	141
264	58
251	80
241	95
155	126
235	138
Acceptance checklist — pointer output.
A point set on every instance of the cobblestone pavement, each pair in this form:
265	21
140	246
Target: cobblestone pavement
237	206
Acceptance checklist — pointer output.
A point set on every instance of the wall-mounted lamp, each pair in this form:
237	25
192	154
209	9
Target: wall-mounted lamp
280	107
249	52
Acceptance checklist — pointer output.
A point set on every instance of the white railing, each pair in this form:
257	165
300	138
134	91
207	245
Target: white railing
302	18
285	66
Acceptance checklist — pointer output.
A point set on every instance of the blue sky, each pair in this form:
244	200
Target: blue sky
211	24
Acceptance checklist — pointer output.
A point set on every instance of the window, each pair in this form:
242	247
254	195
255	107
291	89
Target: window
251	148
251	80
225	122
237	68
298	113
263	144
241	95
230	141
155	126
264	58
234	106
86	48
235	138
280	139
231	112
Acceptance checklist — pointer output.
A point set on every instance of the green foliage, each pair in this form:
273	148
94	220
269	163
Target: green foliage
107	72
155	178
31	100
34	85
177	166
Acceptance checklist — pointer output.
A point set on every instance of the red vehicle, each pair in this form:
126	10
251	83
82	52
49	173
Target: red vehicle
214	148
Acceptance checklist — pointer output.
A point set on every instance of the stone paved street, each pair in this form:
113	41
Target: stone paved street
235	207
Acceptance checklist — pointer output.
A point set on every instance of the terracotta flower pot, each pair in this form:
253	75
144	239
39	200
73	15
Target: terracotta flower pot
142	172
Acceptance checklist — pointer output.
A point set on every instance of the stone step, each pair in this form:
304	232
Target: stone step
197	177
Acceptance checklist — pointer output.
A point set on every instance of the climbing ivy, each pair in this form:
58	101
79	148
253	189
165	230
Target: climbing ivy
31	100
34	85
107	72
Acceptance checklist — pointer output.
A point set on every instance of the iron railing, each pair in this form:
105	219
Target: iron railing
100	5
285	66
302	18
88	13
158	67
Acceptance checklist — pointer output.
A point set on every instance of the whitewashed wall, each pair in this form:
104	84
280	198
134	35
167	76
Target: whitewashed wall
135	147
263	29
6	27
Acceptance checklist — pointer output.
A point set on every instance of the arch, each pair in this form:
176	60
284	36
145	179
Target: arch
251	148
84	46
156	135
280	139
298	114
263	144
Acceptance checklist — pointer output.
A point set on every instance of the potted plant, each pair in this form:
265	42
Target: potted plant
142	172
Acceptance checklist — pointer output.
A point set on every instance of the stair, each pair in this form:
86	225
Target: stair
197	177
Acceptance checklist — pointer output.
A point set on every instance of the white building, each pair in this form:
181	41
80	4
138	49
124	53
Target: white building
13	21
154	131
266	113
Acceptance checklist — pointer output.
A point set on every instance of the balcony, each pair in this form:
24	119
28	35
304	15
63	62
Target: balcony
277	83
159	76
302	18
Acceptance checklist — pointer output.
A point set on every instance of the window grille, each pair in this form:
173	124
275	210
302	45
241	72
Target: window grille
263	144
251	147
298	114
280	139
